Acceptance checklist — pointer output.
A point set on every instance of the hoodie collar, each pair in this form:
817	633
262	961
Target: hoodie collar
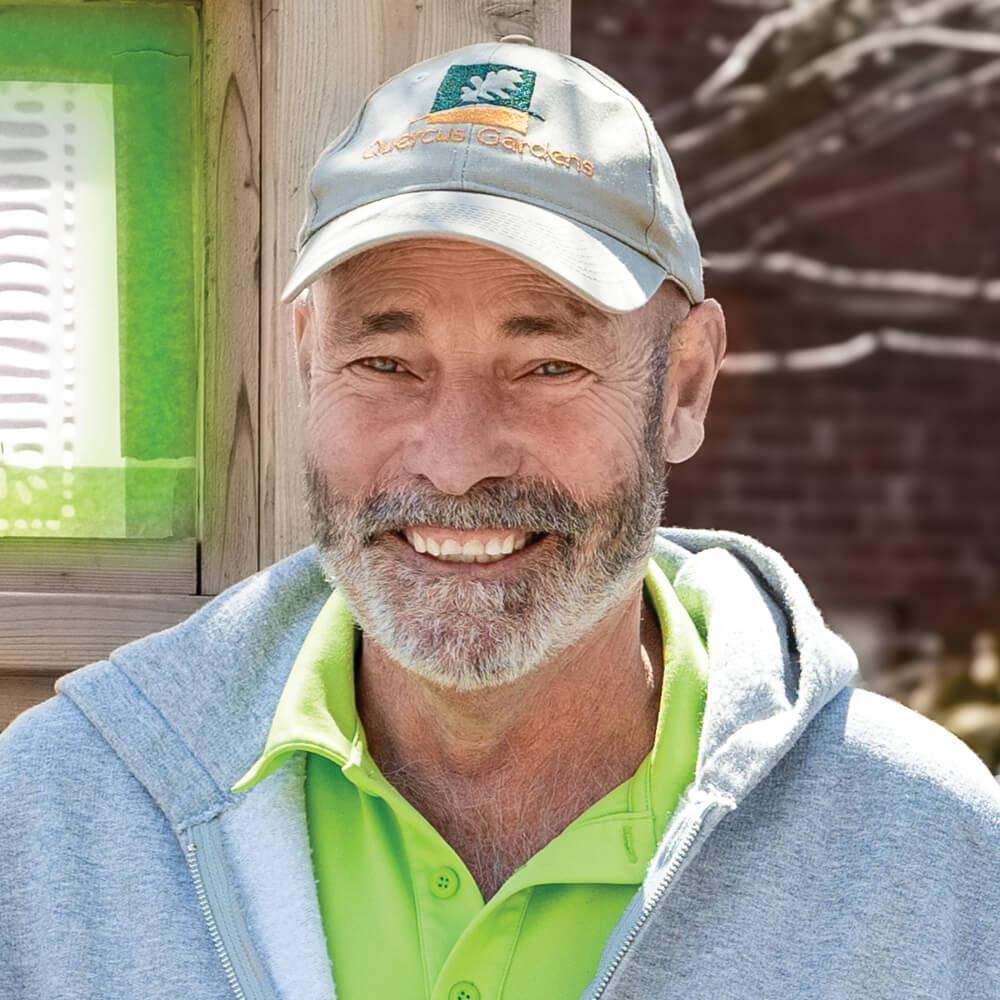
772	662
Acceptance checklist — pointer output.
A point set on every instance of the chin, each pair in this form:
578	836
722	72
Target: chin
465	666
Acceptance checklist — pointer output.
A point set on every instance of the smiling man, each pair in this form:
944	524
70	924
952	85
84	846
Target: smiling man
496	735
486	456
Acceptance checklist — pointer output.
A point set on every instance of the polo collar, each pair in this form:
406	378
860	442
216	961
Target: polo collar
316	710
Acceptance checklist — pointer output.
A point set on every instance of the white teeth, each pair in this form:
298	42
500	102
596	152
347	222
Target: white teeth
477	551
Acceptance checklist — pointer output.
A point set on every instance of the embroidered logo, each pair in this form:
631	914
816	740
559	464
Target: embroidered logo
494	98
485	94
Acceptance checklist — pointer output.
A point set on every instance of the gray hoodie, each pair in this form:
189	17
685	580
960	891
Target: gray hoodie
833	845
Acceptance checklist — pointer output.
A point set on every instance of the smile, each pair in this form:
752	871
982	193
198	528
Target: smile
486	545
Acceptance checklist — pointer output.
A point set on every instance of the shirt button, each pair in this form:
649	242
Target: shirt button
444	883
464	991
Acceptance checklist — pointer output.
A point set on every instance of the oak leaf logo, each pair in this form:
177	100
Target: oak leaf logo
495	86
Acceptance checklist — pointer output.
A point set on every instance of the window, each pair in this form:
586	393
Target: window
102	252
98	336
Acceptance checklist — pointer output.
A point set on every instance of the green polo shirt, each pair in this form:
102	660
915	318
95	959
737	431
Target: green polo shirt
402	915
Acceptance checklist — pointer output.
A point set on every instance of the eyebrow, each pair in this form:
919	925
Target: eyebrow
582	324
372	324
530	326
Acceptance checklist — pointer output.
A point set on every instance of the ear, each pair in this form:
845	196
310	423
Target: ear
304	323
698	346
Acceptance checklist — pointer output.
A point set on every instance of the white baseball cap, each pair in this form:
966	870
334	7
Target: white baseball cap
535	153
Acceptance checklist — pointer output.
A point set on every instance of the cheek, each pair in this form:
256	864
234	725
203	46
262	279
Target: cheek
352	436
589	441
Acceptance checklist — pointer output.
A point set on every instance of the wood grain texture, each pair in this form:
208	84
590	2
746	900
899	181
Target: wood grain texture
45	633
20	691
126	565
231	301
320	59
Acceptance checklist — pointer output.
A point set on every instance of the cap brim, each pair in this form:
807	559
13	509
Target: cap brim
603	270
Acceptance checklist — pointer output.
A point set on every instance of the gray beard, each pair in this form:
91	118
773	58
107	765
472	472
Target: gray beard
468	634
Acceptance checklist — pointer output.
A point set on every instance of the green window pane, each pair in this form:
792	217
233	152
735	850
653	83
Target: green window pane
98	234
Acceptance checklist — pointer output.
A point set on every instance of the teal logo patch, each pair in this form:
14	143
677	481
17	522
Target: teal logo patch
485	94
485	83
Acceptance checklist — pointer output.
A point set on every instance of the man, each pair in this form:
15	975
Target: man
496	735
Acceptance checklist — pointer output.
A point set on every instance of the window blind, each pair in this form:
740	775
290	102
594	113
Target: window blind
59	373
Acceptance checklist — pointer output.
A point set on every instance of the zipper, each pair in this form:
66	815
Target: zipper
191	856
659	892
204	853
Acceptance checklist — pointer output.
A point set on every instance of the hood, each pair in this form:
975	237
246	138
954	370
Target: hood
773	663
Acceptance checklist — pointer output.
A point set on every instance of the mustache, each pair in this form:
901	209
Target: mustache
528	505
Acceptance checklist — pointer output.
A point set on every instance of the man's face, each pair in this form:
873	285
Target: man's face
484	454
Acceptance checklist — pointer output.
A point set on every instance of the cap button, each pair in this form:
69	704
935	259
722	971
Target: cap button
518	39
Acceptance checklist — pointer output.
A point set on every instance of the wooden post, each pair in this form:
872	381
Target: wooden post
320	59
230	178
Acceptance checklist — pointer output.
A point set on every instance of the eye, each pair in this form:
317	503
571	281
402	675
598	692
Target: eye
385	365
552	369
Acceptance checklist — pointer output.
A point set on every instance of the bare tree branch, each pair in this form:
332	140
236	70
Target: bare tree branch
736	64
752	4
906	25
937	10
896	282
852	199
684	143
810	149
813	87
858	347
844	59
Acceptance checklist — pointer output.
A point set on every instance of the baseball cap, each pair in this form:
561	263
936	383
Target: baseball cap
530	151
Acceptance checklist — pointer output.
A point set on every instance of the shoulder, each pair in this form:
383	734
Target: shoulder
42	733
51	752
890	758
168	718
65	794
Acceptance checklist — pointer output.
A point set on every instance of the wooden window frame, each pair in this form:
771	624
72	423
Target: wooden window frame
65	602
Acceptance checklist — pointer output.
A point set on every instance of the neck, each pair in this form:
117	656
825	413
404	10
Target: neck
542	748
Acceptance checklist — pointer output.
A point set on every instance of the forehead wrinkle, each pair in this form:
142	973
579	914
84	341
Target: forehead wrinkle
530	303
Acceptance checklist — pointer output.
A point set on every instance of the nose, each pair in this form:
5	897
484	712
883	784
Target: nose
461	439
